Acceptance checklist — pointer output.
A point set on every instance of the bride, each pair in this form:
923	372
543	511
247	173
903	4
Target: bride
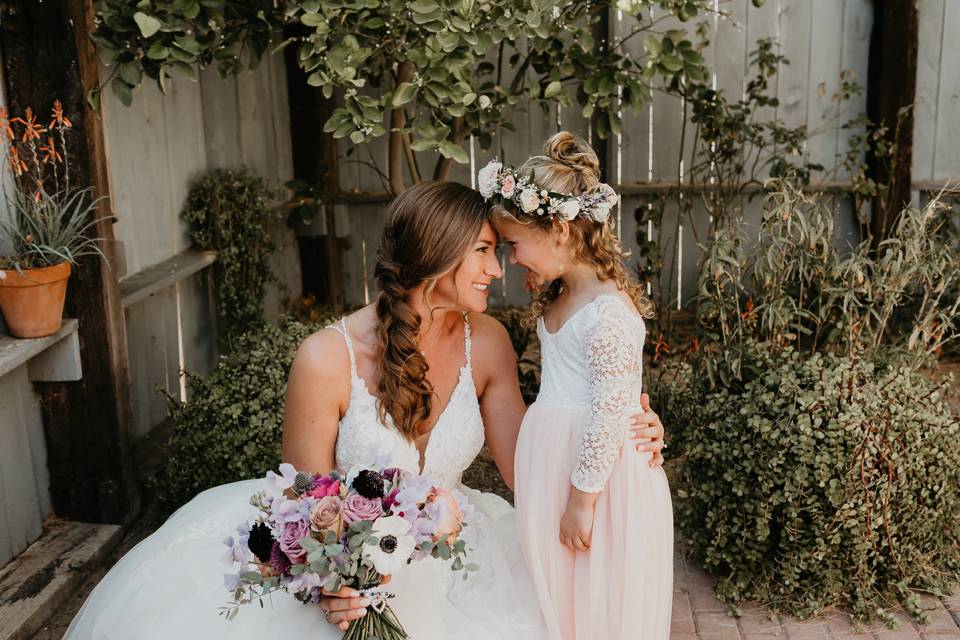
419	380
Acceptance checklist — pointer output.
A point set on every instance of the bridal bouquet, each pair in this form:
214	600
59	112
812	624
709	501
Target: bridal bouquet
316	532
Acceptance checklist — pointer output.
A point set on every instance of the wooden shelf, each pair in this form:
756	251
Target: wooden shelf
15	352
144	284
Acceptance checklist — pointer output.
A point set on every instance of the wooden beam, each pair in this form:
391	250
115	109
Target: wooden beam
154	279
15	352
47	55
891	91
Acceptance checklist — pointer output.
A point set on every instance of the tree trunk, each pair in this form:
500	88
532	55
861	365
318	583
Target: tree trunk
460	132
48	55
398	120
891	90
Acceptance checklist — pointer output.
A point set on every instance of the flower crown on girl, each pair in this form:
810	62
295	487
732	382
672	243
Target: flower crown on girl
508	189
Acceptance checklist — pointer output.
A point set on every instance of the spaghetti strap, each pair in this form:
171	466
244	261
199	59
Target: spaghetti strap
466	337
341	328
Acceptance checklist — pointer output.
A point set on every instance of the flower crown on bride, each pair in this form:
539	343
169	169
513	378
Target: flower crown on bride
508	189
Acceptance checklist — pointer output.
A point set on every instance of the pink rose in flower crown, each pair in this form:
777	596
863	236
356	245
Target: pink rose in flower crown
327	515
293	533
444	511
356	507
325	486
508	185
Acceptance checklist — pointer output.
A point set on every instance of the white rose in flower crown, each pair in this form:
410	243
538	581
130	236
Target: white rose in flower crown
507	186
600	213
487	178
568	209
610	196
529	200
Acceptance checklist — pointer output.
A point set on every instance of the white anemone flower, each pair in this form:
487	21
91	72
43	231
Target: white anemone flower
395	545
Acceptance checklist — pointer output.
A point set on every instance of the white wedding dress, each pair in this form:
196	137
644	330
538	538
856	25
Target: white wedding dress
171	585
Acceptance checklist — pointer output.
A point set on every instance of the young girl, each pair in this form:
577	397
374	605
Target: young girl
586	511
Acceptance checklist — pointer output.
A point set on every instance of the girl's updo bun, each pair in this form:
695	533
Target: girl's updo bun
574	152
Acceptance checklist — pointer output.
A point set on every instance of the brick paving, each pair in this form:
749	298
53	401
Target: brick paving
698	615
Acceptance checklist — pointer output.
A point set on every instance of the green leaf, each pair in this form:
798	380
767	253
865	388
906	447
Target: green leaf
553	89
158	51
147	23
455	151
404	94
93	99
313	19
130	73
651	44
424	6
123	91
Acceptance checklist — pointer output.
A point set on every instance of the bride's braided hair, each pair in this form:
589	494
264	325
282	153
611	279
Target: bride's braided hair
429	230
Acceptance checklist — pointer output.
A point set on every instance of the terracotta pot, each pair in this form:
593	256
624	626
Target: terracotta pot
32	303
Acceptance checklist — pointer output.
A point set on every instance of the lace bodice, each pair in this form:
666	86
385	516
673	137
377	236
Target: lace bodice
454	441
595	361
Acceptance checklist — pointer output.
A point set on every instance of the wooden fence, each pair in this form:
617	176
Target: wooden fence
821	39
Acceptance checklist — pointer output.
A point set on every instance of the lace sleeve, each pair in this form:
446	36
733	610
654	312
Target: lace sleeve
614	358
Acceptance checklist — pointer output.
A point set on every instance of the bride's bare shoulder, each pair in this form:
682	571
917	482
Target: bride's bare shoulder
491	342
321	357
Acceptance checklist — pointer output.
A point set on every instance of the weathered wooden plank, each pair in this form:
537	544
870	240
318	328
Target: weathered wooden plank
186	154
15	352
855	56
947	157
635	142
198	322
730	52
144	284
930	49
154	358
33	421
59	363
795	43
823	82
763	22
33	585
140	191
280	119
257	143
17	482
221	119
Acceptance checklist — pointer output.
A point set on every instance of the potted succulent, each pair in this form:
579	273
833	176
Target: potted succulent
46	227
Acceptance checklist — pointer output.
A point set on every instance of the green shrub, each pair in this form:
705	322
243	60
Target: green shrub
817	480
231	428
228	211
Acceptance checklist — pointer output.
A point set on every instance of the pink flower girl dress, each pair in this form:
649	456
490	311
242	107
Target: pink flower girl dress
621	588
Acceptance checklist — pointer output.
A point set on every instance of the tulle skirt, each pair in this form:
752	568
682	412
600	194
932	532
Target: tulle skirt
171	585
622	587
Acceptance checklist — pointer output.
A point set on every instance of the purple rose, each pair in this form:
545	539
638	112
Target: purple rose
293	533
356	507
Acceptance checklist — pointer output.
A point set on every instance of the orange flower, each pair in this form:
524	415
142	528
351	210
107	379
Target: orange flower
31	130
58	117
694	346
749	312
50	151
17	165
5	123
660	347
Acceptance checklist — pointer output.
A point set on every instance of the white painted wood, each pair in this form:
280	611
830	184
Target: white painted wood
636	139
930	50
33	422
140	286
59	363
17	480
763	22
823	115
15	352
946	163
855	57
198	322
221	119
730	48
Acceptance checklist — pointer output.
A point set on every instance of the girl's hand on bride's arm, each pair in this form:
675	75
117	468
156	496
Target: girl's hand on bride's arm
576	525
647	429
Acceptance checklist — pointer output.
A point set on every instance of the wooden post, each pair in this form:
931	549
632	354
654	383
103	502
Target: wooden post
313	153
46	56
891	91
